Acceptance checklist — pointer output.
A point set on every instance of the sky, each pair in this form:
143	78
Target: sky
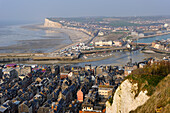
37	10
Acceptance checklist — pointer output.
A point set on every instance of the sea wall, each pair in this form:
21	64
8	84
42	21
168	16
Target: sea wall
124	99
49	23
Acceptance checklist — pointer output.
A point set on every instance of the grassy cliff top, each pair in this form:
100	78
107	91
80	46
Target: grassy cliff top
149	76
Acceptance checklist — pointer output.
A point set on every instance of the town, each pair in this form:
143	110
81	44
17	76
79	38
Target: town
104	25
84	56
28	88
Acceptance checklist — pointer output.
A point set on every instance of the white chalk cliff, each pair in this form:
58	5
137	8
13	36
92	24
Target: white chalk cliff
124	99
49	23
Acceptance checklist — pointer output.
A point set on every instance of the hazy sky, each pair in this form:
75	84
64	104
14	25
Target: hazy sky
35	10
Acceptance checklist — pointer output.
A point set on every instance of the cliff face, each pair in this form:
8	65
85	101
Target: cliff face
159	101
49	23
124	99
152	80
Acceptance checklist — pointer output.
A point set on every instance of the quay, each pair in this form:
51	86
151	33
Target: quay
141	44
13	59
105	50
10	57
160	51
43	58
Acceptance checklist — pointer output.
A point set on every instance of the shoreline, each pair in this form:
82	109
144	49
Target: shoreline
67	31
76	37
62	37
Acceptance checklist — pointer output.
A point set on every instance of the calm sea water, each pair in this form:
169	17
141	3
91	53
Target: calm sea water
13	34
10	35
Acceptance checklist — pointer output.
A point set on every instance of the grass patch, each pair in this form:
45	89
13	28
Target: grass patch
149	76
129	37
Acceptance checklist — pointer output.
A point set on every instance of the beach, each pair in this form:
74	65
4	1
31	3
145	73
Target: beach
74	35
38	39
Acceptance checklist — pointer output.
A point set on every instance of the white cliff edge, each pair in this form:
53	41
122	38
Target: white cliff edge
124	99
49	23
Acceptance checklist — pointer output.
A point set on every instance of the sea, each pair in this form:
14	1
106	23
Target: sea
15	38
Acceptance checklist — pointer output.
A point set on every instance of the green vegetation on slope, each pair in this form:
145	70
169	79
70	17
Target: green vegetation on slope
149	76
110	100
160	101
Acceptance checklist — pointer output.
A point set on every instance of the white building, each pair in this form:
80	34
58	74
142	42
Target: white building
100	33
134	33
141	35
105	91
104	43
